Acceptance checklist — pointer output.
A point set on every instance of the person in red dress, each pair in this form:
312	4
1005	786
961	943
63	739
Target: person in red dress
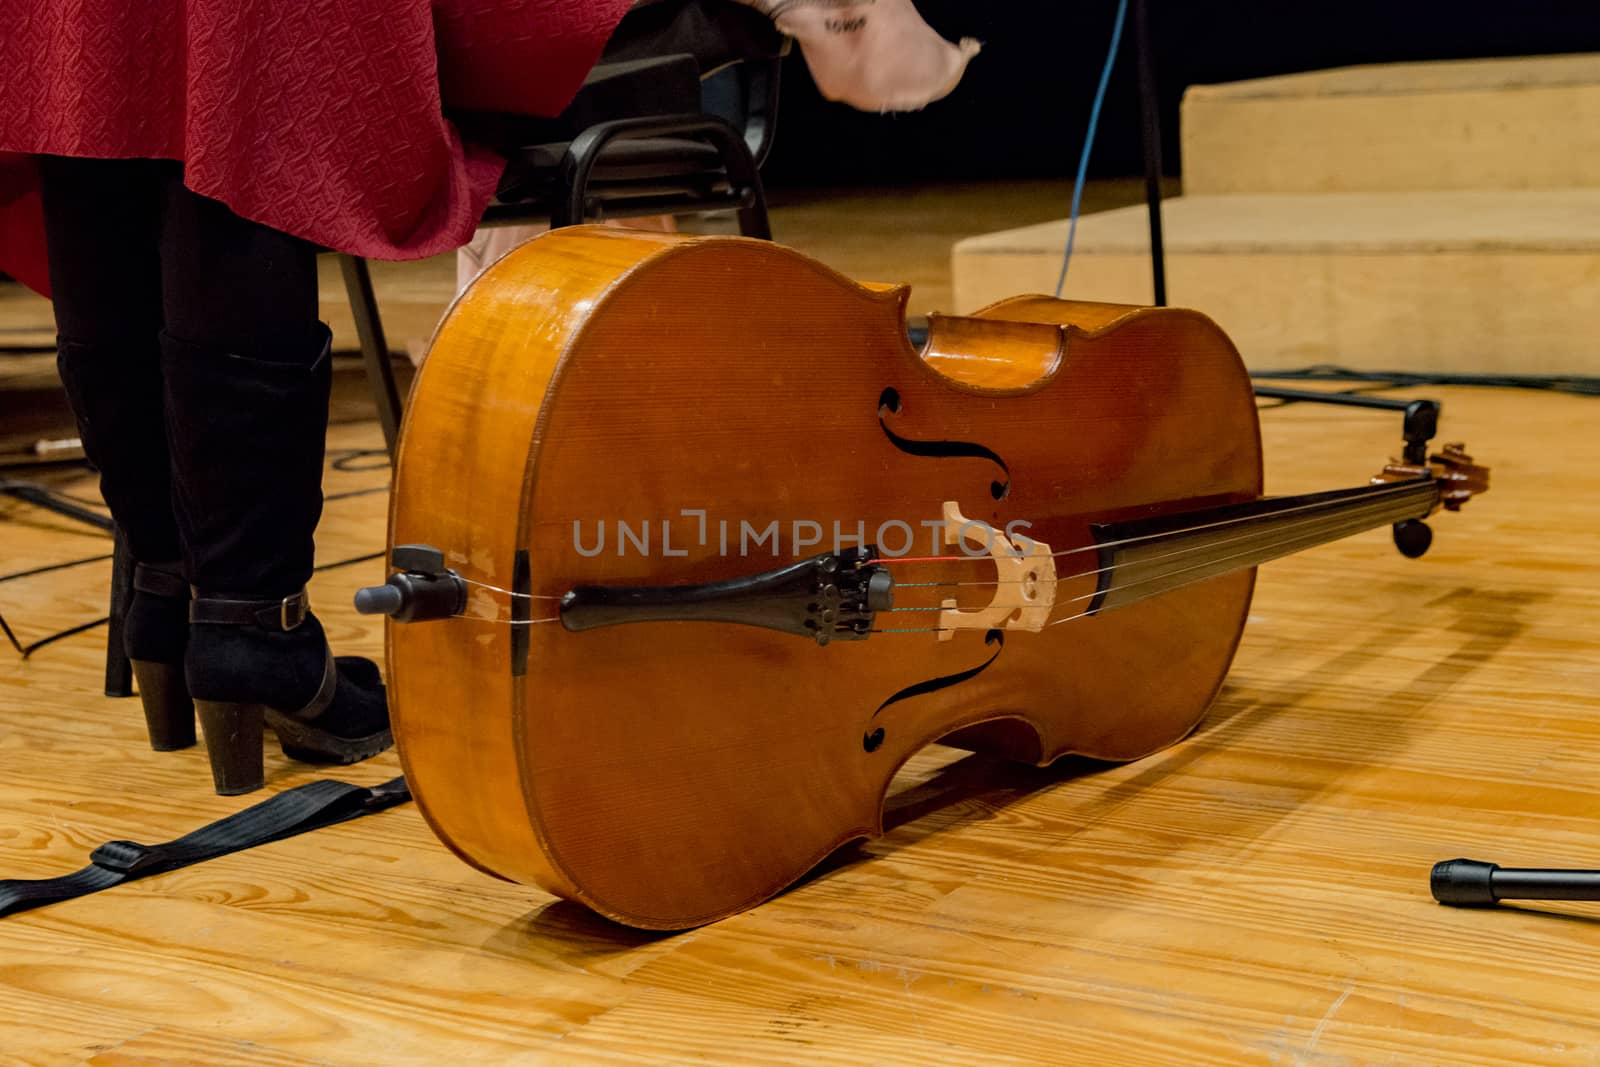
168	171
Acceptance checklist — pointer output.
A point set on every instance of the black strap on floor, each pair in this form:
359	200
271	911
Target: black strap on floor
294	811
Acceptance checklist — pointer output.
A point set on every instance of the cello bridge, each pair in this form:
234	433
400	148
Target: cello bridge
1025	591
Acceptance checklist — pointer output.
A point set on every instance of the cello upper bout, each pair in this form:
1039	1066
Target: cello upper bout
994	355
1086	315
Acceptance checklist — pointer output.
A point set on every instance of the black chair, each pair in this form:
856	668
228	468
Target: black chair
676	118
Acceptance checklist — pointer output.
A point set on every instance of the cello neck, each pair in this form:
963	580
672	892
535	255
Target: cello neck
1147	557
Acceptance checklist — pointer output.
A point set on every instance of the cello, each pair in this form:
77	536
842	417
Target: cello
693	549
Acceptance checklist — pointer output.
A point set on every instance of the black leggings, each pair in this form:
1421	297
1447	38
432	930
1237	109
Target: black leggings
187	338
133	252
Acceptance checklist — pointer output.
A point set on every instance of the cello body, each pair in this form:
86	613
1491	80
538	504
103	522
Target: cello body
684	394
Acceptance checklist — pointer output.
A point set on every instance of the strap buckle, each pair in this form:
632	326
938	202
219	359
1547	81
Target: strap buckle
386	795
125	857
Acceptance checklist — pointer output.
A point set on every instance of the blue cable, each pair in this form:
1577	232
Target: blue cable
1088	140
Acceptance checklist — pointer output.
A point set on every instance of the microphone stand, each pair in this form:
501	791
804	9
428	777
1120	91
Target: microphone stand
1150	135
1475	884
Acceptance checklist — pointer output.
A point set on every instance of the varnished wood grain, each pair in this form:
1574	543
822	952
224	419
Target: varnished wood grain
1256	894
668	775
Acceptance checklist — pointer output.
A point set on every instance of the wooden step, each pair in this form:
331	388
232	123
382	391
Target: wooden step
1523	123
1465	281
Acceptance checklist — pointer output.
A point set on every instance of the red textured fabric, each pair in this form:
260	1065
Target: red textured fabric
321	118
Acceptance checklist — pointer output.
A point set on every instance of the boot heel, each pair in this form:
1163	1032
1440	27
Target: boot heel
233	741
168	711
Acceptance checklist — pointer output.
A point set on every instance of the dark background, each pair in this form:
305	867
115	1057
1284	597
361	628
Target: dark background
1022	108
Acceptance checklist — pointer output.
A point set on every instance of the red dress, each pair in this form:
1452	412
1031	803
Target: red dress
321	118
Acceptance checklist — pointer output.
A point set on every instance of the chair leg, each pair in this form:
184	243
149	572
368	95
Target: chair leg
753	220
119	672
568	206
374	347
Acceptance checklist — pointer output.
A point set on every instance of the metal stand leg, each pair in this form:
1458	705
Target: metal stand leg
1150	124
119	673
374	348
753	221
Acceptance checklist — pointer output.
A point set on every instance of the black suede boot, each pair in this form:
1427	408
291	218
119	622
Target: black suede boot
247	440
117	397
155	634
253	662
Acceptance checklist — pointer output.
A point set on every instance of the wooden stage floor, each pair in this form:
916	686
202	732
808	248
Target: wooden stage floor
1257	893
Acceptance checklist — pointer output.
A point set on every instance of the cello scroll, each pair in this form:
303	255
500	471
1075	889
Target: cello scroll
1459	478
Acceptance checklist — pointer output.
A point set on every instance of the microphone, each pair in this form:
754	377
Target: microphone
1475	884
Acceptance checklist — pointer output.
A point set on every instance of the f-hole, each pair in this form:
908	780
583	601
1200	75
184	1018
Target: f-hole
889	405
873	738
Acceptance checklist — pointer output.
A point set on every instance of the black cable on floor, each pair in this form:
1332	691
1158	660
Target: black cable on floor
45	497
13	637
1572	384
28	650
54	567
348	459
73	498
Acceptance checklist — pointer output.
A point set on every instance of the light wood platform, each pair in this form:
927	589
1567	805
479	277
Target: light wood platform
1467	281
1517	123
1256	894
1441	216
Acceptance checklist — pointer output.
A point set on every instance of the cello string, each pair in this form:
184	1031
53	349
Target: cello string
1352	522
1377	496
1277	531
1354	527
508	592
557	618
1393	489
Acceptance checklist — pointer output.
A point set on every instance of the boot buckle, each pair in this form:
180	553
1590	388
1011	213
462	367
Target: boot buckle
293	610
286	614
